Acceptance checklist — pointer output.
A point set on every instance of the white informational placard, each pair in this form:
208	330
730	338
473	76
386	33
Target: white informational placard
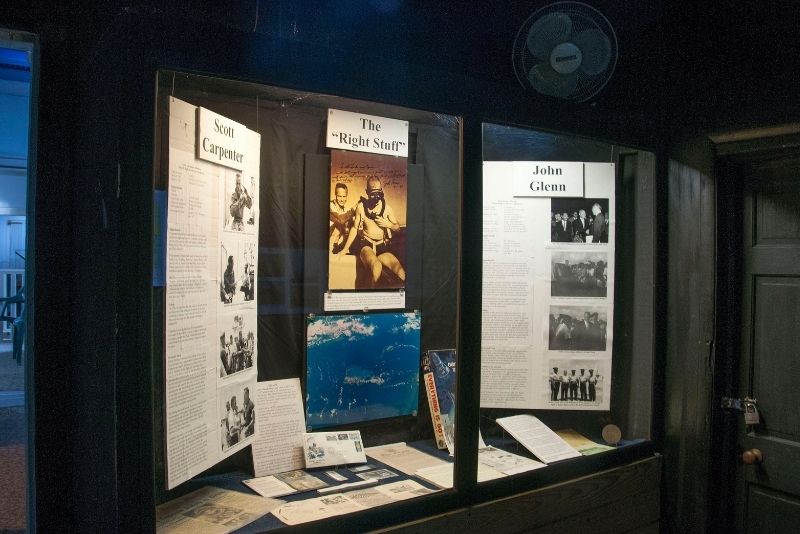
364	301
548	286
367	133
334	448
223	141
547	178
210	300
280	447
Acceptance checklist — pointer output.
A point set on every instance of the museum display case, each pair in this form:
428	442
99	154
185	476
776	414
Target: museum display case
306	263
308	318
568	324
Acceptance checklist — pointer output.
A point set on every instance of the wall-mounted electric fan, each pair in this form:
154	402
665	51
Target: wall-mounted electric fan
566	50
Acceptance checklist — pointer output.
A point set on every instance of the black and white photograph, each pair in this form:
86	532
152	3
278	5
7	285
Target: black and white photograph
237	342
240	202
314	451
237	415
579	273
579	220
575	380
575	328
237	271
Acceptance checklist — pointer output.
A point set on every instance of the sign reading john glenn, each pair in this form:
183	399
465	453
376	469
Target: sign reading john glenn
548	178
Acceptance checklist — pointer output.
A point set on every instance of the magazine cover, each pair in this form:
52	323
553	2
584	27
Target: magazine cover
442	365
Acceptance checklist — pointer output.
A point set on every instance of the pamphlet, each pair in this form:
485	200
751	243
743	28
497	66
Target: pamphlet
537	438
269	486
506	462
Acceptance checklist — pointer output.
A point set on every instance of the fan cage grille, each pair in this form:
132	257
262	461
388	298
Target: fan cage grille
584	17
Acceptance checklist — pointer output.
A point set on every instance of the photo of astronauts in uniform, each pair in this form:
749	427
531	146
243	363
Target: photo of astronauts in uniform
575	381
367	221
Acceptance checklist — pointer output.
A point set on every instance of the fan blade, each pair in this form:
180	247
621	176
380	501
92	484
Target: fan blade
547	81
596	50
547	32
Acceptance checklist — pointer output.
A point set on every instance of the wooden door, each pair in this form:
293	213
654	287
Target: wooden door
768	492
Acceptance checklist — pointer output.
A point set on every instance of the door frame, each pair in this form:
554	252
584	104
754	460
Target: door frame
735	153
29	42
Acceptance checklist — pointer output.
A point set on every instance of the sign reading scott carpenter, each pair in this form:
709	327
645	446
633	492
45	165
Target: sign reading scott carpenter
221	140
367	133
547	178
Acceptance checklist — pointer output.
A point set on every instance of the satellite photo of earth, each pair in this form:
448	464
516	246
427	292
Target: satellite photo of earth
361	367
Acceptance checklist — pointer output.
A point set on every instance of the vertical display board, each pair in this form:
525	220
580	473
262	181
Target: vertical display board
548	285
211	308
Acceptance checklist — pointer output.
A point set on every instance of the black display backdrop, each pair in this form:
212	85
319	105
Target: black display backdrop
292	267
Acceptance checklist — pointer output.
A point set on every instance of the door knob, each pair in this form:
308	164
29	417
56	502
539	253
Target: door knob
752	456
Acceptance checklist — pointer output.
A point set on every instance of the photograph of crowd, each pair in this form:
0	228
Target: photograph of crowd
237	416
238	271
581	273
575	381
237	343
578	328
579	220
367	221
240	201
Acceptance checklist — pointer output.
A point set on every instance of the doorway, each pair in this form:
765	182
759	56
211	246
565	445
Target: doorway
758	322
17	52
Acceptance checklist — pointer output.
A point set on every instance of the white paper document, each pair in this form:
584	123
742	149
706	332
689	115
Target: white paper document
442	475
295	513
387	493
211	511
269	486
506	462
333	448
537	438
279	447
404	458
378	474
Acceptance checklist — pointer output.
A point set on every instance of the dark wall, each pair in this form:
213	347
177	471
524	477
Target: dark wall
732	66
682	70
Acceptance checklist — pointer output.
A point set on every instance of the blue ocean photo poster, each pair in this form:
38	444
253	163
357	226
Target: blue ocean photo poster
361	367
